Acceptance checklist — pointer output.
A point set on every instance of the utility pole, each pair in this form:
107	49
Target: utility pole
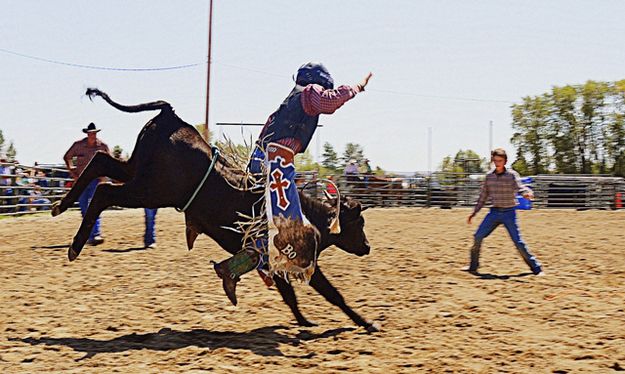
208	69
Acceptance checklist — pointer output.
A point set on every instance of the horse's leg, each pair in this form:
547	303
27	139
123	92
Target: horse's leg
101	165
106	195
322	285
288	295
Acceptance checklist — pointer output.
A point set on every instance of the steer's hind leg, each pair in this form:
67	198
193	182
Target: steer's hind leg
106	195
101	165
322	285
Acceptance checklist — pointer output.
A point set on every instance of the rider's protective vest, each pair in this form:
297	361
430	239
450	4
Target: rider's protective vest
290	121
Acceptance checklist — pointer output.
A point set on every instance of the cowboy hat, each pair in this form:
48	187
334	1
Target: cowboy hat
90	128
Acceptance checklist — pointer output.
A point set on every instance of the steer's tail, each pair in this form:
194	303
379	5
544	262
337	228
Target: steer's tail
155	105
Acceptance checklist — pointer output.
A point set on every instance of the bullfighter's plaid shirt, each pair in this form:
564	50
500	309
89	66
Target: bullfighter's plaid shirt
501	189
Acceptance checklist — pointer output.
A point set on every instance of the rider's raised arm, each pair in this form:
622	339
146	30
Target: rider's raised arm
317	100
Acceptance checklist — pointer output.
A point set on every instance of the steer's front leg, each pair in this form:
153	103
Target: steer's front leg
322	285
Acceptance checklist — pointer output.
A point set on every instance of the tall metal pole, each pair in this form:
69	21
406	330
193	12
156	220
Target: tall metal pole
429	150
490	137
208	69
318	146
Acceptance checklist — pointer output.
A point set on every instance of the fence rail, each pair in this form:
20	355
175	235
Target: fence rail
27	189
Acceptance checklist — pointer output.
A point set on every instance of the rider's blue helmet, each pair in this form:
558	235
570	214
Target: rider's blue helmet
314	73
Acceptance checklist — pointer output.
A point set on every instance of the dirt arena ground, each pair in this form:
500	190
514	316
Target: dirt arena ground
119	308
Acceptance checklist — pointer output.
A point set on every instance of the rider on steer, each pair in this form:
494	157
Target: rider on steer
289	242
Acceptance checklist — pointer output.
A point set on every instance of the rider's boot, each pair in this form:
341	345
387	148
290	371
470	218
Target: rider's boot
230	270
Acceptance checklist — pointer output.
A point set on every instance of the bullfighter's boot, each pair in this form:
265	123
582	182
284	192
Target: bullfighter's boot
230	271
475	257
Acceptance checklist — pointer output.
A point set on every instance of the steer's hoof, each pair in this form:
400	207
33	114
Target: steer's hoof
56	209
374	327
307	323
72	254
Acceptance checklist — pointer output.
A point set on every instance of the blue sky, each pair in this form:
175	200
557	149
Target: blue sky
449	65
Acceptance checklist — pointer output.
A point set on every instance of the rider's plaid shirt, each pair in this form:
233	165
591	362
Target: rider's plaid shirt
501	189
317	100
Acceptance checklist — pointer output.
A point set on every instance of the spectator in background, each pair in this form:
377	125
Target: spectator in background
365	169
351	167
5	183
41	178
37	198
351	170
76	159
149	237
331	187
4	169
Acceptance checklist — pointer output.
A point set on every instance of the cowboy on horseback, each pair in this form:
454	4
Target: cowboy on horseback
289	242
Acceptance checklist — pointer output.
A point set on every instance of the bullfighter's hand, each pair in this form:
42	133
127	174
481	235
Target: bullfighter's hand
529	195
470	218
364	82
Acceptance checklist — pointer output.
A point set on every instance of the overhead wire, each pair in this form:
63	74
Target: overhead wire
95	67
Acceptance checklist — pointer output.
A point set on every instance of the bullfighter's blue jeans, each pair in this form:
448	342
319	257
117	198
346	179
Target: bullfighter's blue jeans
83	202
150	218
507	217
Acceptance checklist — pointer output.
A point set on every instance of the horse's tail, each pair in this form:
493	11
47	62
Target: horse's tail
155	105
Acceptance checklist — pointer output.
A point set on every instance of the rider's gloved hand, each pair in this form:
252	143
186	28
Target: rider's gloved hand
364	82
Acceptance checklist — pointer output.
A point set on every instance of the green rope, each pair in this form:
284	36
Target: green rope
210	168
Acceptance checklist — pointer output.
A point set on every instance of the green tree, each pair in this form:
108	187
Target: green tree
352	151
330	159
11	152
614	135
572	129
117	151
463	162
449	166
593	109
520	164
1	142
530	121
579	116
304	162
562	126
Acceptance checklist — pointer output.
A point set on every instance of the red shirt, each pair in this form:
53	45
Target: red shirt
83	153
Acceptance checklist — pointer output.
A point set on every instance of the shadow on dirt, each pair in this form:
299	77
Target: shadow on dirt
263	341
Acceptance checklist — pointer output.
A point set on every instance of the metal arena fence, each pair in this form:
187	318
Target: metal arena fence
31	189
447	190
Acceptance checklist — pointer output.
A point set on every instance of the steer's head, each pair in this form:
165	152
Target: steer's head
352	238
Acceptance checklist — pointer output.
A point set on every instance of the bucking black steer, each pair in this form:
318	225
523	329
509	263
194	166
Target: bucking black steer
169	161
